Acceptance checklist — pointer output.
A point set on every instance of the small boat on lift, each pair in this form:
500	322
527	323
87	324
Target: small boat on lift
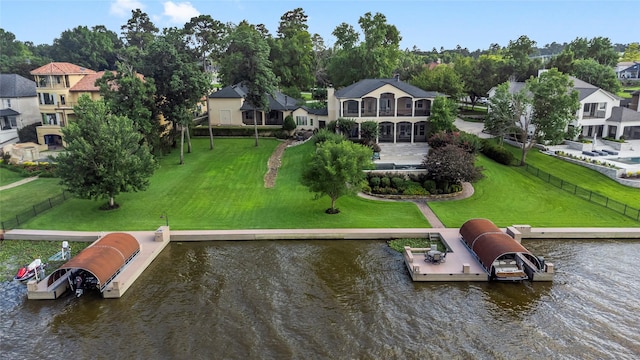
28	272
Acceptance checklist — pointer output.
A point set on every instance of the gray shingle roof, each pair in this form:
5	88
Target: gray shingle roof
364	87
622	114
16	86
277	101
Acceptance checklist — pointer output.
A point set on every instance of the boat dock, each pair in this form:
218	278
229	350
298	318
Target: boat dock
460	263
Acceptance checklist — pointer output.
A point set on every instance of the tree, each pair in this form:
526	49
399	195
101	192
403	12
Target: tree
247	61
377	56
94	48
104	156
292	51
632	52
180	81
126	93
336	169
553	106
208	36
137	34
503	113
369	131
596	74
17	57
443	79
451	164
518	52
443	114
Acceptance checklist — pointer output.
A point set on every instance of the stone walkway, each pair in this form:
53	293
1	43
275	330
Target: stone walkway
18	183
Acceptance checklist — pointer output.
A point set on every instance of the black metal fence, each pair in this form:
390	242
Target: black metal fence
35	210
589	195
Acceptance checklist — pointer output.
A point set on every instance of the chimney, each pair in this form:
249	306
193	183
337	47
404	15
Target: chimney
396	76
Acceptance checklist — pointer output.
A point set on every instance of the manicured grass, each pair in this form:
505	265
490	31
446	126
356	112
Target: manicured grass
508	196
22	198
224	189
7	176
306	96
581	176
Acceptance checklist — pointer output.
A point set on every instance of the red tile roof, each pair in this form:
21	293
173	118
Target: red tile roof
87	83
61	68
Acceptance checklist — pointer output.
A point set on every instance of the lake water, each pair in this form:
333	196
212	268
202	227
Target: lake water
336	300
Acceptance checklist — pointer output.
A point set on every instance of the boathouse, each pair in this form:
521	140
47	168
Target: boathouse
104	259
501	256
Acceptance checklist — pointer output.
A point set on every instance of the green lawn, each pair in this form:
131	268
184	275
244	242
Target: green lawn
508	196
224	189
22	198
8	176
581	176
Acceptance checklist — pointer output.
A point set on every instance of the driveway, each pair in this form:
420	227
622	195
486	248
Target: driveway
472	128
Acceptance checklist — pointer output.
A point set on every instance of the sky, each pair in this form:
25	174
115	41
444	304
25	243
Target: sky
425	24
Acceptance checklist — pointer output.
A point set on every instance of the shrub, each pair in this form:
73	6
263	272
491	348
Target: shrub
415	189
374	181
398	183
327	135
430	186
289	124
281	134
497	153
385	181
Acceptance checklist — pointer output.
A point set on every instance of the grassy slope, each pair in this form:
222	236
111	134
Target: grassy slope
508	196
8	176
21	198
224	189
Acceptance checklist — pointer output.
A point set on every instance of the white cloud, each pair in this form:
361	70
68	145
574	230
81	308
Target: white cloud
180	13
124	7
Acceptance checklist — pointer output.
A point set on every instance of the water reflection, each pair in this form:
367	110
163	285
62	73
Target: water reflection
336	299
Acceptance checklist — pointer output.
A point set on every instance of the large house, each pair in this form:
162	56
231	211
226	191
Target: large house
54	84
401	110
18	102
628	70
600	113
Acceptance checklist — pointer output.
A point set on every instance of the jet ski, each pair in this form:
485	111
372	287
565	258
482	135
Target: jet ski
27	272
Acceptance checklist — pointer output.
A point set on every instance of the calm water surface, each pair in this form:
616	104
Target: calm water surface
336	300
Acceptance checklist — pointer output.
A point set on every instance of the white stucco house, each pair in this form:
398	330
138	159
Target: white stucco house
600	113
18	104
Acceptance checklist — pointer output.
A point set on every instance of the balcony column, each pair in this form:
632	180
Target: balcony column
413	129
377	107
359	109
395	109
395	131
413	108
359	131
340	103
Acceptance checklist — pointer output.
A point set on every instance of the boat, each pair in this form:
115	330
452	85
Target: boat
27	272
82	280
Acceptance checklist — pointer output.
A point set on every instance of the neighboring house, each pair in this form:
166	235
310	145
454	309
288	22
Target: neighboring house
54	82
227	107
628	70
18	102
401	110
596	107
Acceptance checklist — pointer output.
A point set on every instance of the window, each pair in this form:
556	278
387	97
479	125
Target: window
311	122
9	103
407	105
62	100
419	104
58	79
51	119
352	107
301	120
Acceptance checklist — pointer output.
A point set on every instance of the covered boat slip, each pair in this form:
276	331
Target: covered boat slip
500	255
115	260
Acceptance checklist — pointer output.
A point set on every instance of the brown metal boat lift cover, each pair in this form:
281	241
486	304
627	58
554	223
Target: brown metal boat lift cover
104	259
489	243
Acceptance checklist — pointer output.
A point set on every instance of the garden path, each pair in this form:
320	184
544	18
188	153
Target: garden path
18	183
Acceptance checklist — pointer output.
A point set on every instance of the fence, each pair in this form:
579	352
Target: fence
34	211
589	195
